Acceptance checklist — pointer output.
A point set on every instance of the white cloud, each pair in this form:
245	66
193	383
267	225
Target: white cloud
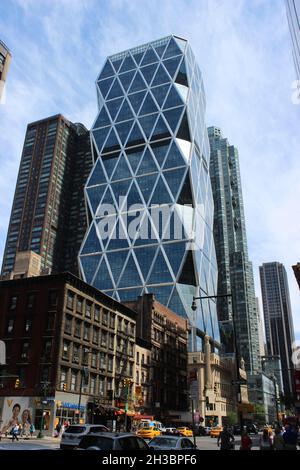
244	51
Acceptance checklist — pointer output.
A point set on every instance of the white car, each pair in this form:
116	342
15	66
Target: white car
75	432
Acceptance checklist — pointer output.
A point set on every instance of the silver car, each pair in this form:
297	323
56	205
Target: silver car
171	443
75	432
112	441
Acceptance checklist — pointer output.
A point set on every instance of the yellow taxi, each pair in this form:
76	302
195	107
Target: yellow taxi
216	431
185	432
148	433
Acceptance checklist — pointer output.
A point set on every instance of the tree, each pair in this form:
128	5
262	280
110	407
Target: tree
231	418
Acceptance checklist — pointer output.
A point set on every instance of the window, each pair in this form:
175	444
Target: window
95	335
53	298
110	363
66	350
68	325
73	381
97	313
86	332
93	385
70	300
76	353
112	322
13	302
102	360
10	325
24	350
50	321
78	329
94	359
28	325
31	300
101	386
46	354
111	342
88	310
63	378
137	357
105	317
79	305
104	339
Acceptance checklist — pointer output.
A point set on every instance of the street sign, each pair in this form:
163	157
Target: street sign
194	390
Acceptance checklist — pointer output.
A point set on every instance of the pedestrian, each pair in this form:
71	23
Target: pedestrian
278	441
266	442
246	441
290	438
31	430
57	429
226	438
15	432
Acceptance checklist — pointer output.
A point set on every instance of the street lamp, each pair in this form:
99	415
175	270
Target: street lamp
238	383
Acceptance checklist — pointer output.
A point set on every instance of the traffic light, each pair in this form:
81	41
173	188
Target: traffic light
64	387
17	383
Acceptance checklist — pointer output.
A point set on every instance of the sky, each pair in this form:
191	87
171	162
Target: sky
244	50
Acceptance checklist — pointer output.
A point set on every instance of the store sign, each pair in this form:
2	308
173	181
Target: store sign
72	406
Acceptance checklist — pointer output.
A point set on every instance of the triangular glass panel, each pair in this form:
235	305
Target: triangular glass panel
126	79
174	158
103	280
133	196
187	275
113	107
136	100
118	238
182	75
136	137
172	50
95	194
109	163
160	93
107	71
181	43
127	295
145	257
148	72
89	265
162	293
97	176
116	262
183	92
173	99
173	229
161	76
184	131
147	123
148	106
176	305
175	253
186	196
112	142
172	65
128	64
161	131
120	190
123	130
160	272
130	276
173	117
125	112
146	184
102	119
116	64
107	198
161	194
104	86
160	49
147	165
149	57
145	234
160	151
100	136
174	179
134	156
122	171
138	57
138	83
115	90
92	243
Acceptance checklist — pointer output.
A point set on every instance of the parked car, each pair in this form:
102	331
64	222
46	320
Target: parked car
216	431
184	431
112	441
171	443
74	433
148	433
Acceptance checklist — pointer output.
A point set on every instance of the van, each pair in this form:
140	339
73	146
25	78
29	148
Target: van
148	423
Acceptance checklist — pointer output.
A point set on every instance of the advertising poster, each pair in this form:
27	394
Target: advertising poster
15	411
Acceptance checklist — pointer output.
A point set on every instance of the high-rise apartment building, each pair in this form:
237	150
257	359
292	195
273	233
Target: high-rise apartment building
5	58
48	215
278	319
261	335
234	268
293	14
151	153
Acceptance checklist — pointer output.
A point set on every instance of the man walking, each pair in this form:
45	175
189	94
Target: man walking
226	438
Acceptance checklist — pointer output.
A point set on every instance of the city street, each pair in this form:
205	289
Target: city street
203	443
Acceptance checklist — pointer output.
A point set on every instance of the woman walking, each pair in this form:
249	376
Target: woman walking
246	441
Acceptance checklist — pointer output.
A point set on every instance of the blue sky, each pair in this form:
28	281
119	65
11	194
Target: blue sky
244	51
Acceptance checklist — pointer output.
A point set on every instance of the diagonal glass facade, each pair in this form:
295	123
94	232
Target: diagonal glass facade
151	151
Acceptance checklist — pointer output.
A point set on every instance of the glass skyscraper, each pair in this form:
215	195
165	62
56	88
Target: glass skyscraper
235	269
151	151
